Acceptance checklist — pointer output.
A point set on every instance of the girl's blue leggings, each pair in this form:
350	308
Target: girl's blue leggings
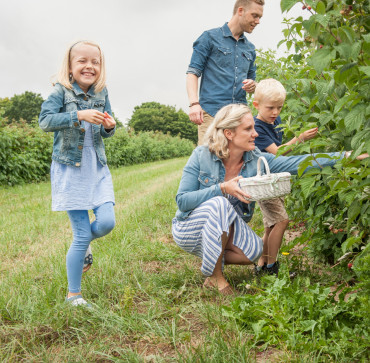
83	234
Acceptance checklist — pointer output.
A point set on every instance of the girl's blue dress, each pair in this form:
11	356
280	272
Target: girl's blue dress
81	188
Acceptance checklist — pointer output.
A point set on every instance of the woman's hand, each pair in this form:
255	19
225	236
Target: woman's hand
362	156
231	187
109	123
92	116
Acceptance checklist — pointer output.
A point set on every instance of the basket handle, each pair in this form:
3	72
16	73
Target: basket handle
267	168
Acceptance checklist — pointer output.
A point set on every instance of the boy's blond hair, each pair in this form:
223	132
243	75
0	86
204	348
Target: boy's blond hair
246	3
269	90
64	77
228	117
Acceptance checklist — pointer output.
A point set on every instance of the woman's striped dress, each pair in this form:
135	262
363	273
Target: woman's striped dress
200	234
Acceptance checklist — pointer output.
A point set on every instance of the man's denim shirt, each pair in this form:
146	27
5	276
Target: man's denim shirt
59	115
223	63
204	172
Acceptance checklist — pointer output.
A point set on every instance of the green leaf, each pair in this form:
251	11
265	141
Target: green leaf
353	211
306	184
320	7
286	5
348	73
347	197
321	19
341	102
347	34
349	242
321	59
360	137
349	51
365	69
304	164
366	37
355	118
308	325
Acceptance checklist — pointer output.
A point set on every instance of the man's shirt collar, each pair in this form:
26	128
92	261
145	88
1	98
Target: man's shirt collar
227	33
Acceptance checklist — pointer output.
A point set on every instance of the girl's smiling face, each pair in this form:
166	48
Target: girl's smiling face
85	65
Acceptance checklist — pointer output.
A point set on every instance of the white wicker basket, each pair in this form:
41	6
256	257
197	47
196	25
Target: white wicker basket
269	186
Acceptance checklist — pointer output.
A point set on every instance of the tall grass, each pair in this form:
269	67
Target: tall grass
149	305
147	295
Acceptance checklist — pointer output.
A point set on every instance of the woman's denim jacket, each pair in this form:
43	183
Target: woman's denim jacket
204	172
59	115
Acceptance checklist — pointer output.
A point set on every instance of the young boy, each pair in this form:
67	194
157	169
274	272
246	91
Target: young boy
269	98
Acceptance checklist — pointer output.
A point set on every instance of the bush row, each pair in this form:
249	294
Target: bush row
25	151
25	154
126	148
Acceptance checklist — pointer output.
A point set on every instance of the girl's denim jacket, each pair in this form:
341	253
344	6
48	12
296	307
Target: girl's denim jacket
204	172
59	115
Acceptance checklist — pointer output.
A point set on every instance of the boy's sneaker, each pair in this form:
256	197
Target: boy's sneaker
274	269
260	270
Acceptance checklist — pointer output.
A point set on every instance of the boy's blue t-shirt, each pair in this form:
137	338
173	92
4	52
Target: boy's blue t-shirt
268	133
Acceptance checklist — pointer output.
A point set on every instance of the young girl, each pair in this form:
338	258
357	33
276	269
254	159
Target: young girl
79	113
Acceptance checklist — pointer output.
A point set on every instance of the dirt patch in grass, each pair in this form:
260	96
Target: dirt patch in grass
268	356
166	239
146	346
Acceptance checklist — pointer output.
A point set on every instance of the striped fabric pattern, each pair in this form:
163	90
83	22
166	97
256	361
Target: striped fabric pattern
200	234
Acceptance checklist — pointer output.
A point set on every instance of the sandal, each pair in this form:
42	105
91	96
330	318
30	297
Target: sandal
226	291
77	300
88	259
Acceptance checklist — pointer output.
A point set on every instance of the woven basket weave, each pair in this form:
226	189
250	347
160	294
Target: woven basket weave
268	186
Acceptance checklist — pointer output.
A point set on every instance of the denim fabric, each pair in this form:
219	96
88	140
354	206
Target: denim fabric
59	115
204	172
83	234
223	63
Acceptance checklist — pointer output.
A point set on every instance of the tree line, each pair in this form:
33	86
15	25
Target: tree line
149	116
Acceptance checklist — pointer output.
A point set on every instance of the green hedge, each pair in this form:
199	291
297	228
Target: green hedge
128	149
25	151
25	154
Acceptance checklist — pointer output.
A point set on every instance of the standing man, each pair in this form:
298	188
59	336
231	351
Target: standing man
224	58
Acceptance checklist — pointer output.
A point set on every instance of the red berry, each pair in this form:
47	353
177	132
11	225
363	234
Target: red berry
341	229
303	7
321	46
350	265
309	8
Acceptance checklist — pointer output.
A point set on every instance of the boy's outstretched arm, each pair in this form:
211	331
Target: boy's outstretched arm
304	136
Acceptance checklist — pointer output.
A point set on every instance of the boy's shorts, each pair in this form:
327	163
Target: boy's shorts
273	211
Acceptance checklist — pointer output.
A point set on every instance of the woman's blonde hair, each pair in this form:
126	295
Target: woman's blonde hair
64	74
228	117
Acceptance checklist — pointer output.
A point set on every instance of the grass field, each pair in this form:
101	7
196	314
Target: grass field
148	302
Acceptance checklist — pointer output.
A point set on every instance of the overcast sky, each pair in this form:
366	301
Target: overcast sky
147	43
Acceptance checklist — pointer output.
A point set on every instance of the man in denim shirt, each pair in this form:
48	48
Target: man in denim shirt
224	58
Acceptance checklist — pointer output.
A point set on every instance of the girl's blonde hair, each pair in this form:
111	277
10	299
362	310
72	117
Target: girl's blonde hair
228	117
269	89
64	76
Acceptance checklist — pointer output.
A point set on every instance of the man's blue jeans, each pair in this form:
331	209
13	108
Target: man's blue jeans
83	234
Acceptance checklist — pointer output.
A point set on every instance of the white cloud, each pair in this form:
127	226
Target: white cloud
147	43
